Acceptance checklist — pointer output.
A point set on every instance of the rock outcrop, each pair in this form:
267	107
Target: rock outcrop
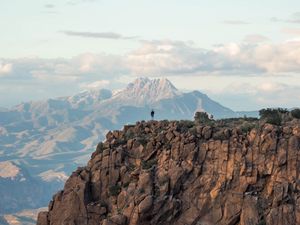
179	173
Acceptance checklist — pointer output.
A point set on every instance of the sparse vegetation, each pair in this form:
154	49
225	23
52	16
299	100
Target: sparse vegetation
168	145
219	135
185	125
148	164
129	134
193	130
143	141
114	190
125	185
100	148
141	191
164	180
247	127
131	167
296	113
119	211
237	122
272	116
262	222
203	118
103	203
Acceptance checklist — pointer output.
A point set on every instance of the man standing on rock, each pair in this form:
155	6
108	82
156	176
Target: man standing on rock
152	114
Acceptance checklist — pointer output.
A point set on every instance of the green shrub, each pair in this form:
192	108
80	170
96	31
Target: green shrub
296	113
168	146
272	116
185	125
141	191
143	141
276	120
219	135
282	110
163	180
202	118
100	147
103	203
247	127
262	222
148	164
129	134
193	131
131	167
114	190
125	185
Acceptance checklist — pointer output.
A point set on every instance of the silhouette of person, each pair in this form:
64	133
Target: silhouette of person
152	114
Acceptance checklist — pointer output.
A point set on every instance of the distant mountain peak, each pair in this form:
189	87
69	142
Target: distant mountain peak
162	83
147	91
89	97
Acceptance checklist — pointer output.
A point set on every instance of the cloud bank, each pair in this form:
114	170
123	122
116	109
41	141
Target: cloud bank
5	68
294	18
254	57
107	35
235	22
261	95
177	58
173	58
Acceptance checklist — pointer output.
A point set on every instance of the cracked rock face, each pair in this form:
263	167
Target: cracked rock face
172	173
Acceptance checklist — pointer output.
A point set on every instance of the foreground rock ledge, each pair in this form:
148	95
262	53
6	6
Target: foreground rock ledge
175	173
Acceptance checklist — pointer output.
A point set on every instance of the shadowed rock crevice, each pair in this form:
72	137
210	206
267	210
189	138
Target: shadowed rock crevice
179	172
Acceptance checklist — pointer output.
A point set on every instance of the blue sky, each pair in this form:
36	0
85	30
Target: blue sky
245	54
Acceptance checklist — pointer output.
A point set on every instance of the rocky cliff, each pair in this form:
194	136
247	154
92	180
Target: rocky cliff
180	173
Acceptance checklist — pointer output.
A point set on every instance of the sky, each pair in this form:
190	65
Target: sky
244	54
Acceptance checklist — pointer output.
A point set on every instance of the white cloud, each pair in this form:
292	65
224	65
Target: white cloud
49	6
236	22
163	57
109	65
256	95
291	31
231	49
271	87
106	35
171	58
293	18
5	68
178	58
255	39
81	67
255	88
95	85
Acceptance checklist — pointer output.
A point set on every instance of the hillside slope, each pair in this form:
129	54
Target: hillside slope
19	190
181	173
51	138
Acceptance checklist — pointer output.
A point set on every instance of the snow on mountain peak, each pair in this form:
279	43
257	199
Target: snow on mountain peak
143	82
146	91
89	97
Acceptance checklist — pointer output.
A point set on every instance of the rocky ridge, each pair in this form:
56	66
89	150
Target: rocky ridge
181	173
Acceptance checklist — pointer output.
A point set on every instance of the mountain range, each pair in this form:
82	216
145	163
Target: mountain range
50	138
